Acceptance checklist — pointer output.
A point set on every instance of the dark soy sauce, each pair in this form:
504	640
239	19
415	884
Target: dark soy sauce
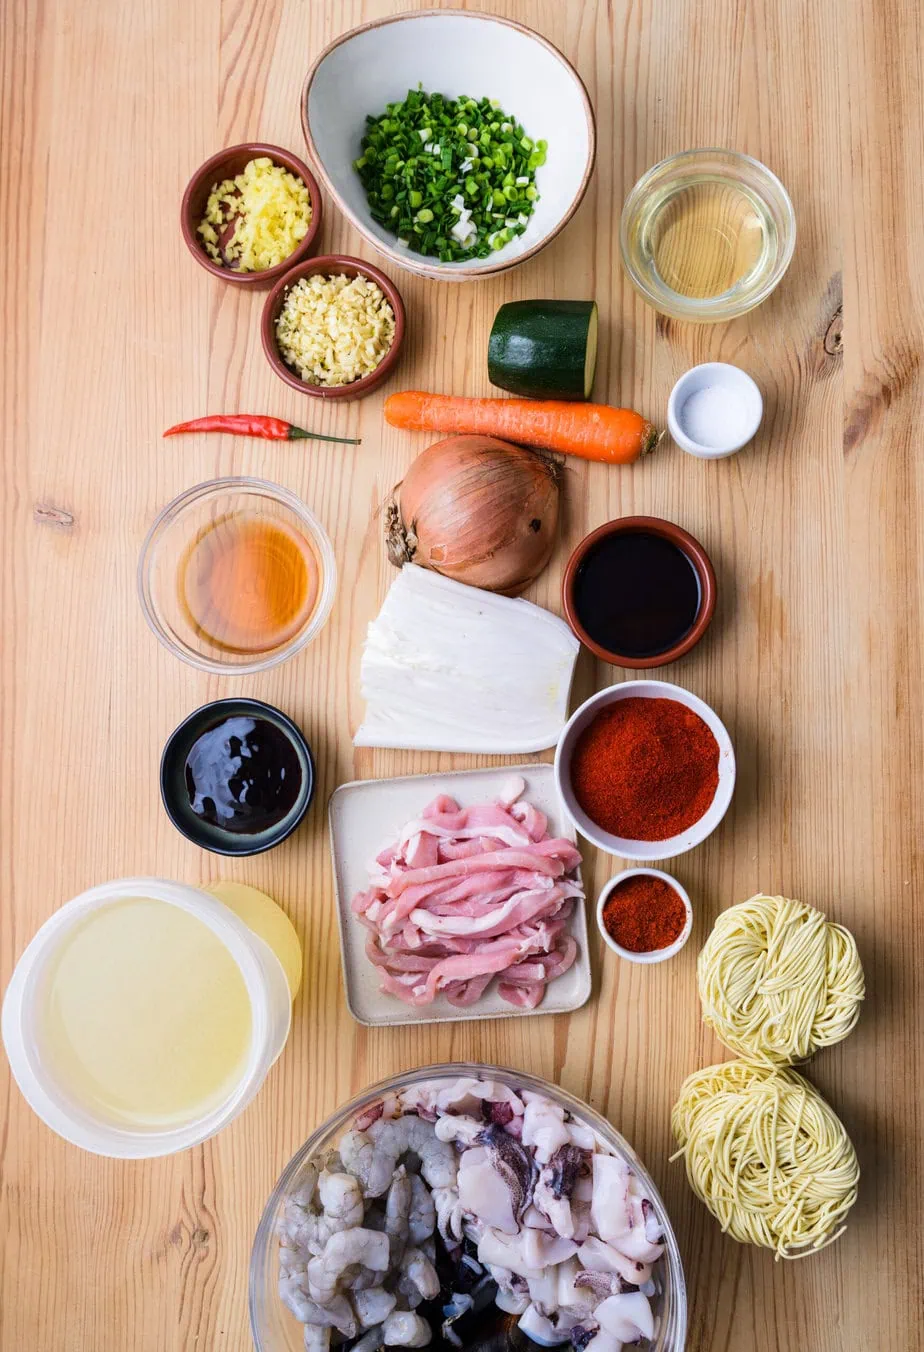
637	594
243	775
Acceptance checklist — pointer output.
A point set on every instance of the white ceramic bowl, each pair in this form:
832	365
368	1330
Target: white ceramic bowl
735	388
656	954
645	850
450	52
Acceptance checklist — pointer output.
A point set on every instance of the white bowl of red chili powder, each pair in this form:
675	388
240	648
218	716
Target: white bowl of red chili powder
645	770
644	915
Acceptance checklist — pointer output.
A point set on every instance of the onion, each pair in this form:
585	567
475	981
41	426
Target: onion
477	510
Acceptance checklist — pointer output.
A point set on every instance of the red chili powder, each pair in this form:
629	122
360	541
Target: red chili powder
644	913
645	769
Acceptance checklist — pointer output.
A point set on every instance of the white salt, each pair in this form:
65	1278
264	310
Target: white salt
716	416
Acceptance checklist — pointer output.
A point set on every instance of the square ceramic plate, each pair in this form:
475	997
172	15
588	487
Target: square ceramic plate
369	813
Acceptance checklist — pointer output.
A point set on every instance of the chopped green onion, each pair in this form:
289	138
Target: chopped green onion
453	178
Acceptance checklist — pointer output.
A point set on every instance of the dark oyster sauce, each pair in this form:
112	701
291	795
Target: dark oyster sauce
637	594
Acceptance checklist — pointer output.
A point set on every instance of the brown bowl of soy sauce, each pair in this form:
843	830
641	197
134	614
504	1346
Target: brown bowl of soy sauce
237	776
639	592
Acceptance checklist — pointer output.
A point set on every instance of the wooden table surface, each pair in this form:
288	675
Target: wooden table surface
111	333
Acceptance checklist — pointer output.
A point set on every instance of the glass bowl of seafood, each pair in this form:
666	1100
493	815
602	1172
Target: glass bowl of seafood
466	1206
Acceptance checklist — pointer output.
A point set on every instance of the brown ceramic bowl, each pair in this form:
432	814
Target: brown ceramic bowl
330	265
224	165
694	551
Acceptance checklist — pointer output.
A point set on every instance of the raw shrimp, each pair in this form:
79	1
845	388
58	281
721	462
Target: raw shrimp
373	1155
348	1248
418	1270
341	1200
422	1215
303	1195
317	1339
311	1233
337	1313
373	1306
363	1279
397	1211
369	1342
405	1329
294	1296
293	1262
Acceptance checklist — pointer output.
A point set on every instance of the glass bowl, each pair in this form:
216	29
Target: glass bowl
186	520
706	235
276	1330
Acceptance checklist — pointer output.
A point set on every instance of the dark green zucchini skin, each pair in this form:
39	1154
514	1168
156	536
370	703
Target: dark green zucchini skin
539	348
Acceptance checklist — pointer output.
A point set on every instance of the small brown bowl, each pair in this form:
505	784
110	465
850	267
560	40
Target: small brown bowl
652	525
330	265
226	164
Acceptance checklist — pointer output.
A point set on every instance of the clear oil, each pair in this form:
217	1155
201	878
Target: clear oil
147	1019
706	238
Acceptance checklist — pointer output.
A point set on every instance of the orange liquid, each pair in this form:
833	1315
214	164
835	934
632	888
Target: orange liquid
249	584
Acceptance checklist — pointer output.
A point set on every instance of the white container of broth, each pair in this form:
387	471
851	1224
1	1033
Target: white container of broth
144	1015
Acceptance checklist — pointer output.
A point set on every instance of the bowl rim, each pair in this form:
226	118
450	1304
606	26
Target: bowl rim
311	267
687	544
691	309
652	955
269	713
339	1117
643	851
211	166
241	483
414	262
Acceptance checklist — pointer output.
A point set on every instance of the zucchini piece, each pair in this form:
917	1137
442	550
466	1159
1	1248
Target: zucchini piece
544	349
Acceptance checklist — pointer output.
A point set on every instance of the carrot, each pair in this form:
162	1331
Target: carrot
615	436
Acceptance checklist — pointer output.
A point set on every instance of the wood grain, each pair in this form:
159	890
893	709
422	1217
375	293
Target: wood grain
111	334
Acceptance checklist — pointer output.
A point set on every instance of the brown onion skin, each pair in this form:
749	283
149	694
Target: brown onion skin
479	510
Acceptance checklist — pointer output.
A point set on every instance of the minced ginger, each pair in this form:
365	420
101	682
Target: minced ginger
271	212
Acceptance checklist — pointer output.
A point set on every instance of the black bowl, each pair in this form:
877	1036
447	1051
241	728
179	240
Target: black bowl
173	778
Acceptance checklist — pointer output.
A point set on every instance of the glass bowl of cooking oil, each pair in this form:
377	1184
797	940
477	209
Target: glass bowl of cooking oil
237	575
706	235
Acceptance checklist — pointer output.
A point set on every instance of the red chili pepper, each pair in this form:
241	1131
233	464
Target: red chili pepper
255	425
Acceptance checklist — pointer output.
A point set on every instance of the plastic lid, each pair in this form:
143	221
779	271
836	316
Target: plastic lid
266	918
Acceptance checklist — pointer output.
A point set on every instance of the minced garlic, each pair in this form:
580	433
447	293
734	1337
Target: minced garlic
334	330
271	211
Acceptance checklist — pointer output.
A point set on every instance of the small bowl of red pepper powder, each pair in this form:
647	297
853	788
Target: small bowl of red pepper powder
645	770
644	915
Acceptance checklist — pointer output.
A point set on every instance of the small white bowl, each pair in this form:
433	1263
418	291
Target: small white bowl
732	388
656	954
645	850
451	52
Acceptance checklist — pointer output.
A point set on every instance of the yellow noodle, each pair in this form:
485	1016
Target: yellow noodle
767	1155
778	981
